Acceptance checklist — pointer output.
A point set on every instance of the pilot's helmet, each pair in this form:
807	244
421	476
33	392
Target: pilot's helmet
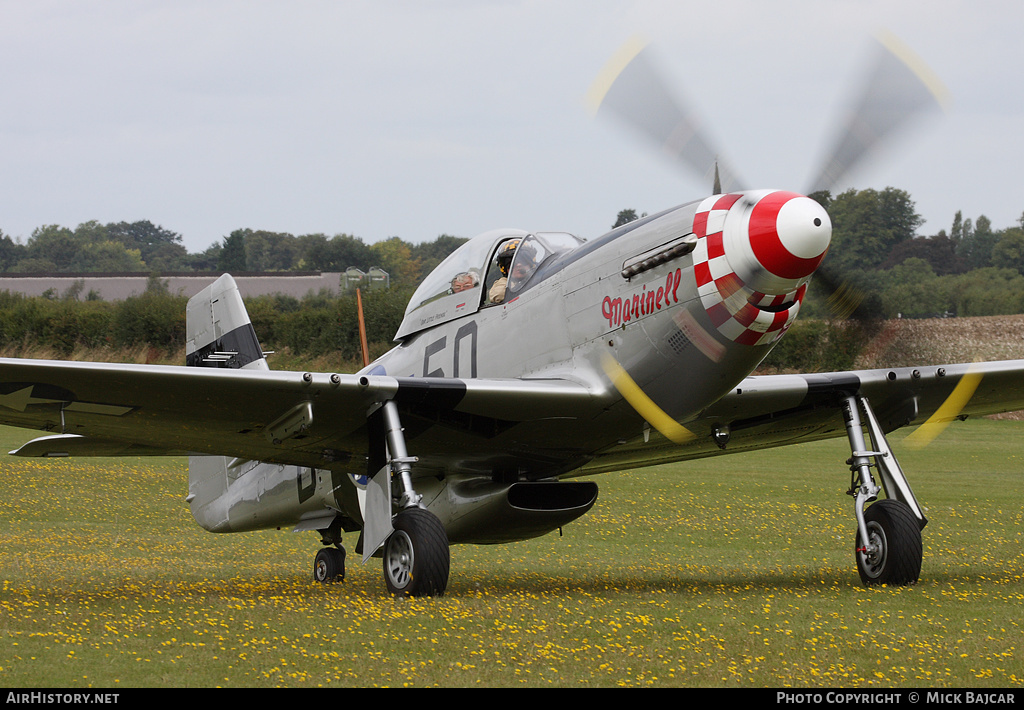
505	254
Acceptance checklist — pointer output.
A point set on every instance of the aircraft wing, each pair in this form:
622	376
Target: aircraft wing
899	396
285	417
552	426
777	410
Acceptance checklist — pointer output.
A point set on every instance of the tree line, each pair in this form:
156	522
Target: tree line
970	269
973	269
299	332
142	247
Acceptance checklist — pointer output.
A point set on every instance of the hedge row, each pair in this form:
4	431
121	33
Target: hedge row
154	318
315	326
820	346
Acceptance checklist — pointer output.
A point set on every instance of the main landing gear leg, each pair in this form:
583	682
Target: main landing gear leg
416	555
888	543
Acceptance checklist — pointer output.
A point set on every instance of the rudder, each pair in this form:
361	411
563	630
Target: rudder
218	330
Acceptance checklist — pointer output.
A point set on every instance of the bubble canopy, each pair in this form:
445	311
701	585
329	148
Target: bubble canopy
459	285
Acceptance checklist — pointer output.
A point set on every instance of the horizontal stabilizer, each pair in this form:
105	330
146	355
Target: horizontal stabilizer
62	445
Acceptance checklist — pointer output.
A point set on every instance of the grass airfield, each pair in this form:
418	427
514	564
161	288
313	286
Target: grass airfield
728	572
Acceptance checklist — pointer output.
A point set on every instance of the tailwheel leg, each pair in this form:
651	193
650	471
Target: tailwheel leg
888	546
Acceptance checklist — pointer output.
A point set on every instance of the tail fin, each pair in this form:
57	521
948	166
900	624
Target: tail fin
219	334
219	331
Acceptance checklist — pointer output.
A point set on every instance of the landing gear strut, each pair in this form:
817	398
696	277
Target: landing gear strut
888	543
415	544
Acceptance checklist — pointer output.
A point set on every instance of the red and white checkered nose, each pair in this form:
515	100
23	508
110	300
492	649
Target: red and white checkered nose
755	253
778	241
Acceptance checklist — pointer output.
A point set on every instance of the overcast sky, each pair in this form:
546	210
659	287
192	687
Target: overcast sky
418	118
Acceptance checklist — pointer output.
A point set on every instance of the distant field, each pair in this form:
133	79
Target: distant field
909	341
732	572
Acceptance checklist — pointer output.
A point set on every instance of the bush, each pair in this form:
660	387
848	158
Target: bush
152	318
61	325
819	346
325	324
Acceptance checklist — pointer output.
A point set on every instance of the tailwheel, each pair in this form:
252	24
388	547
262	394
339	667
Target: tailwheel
892	554
416	556
329	565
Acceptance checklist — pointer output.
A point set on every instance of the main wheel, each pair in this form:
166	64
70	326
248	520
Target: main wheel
329	565
416	557
895	543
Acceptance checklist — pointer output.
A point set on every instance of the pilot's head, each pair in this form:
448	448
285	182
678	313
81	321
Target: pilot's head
524	266
505	255
463	282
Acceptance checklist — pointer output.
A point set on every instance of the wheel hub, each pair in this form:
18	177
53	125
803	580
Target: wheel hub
873	553
399	558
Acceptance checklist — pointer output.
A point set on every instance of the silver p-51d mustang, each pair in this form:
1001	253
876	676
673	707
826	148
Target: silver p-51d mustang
526	362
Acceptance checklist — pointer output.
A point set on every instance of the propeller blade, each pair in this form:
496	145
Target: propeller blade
632	89
644	405
897	89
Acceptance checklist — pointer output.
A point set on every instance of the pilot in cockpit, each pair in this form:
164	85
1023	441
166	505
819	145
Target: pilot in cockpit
463	282
523	260
506	252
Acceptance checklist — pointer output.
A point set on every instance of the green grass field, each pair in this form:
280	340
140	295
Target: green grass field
734	572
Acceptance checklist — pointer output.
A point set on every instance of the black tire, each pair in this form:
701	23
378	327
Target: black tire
329	565
895	532
416	556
